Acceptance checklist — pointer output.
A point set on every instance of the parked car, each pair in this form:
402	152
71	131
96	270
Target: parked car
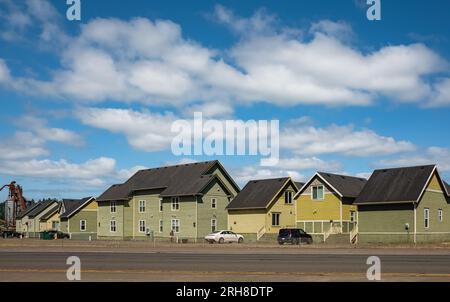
54	235
11	234
224	236
294	236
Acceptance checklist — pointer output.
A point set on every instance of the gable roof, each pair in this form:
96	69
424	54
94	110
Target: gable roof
345	186
397	185
37	209
71	206
257	194
447	188
178	180
26	211
298	184
50	213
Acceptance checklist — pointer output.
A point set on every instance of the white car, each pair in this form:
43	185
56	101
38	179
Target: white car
224	236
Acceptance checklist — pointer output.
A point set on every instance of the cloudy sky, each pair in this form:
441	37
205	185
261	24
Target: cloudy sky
86	104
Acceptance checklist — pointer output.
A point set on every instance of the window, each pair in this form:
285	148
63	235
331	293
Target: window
112	206
161	226
112	226
426	218
82	225
352	216
175	203
213	203
275	219
317	193
160	205
213	225
288	197
440	215
141	206
176	225
141	226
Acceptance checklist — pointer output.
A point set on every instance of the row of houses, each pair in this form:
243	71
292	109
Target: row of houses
189	201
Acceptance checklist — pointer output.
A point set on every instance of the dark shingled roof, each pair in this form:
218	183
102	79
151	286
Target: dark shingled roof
27	210
348	186
299	184
37	209
179	180
257	193
447	186
50	213
72	205
395	185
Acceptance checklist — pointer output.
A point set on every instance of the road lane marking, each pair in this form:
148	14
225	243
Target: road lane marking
131	271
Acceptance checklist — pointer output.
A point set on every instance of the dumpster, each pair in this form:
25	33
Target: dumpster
46	236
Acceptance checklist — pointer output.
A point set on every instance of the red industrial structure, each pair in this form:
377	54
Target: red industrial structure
14	204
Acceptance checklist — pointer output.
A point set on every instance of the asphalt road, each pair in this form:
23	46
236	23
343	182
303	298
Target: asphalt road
181	266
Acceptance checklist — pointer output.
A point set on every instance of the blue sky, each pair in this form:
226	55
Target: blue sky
85	104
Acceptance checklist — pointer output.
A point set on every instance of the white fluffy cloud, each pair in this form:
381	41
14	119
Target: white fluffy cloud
244	175
149	131
4	72
151	62
59	169
144	130
432	155
315	163
94	173
21	146
344	140
43	131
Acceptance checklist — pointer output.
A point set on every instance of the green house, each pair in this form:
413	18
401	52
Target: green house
184	202
404	205
78	218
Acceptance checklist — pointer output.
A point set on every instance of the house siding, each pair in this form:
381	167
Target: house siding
315	216
246	221
250	221
88	213
205	213
34	224
386	223
437	231
105	216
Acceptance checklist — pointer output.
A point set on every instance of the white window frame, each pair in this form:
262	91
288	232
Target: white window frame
426	218
352	216
176	225
440	215
113	206
213	203
323	192
111	223
213	225
160	205
279	216
141	224
290	198
175	205
85	225
161	226
142	208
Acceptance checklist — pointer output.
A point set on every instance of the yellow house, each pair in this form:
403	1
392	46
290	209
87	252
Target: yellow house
325	204
51	220
263	207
